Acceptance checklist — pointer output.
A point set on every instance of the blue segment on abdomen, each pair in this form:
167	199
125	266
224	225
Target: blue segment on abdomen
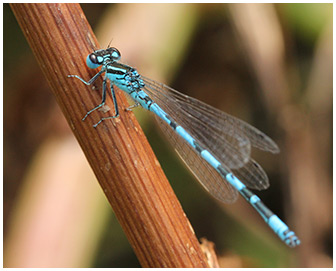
254	199
234	181
210	159
142	98
185	135
277	225
157	110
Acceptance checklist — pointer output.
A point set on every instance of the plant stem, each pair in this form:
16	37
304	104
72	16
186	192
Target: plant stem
117	150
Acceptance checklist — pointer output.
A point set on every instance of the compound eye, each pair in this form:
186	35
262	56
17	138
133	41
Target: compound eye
93	58
93	61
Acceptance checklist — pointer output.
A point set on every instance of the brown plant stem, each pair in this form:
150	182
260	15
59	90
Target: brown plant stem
117	151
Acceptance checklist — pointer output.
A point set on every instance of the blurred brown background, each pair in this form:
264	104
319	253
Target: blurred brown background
270	65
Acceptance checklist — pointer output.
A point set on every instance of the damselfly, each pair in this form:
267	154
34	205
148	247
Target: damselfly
215	146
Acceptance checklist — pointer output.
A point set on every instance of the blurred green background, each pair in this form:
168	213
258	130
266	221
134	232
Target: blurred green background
268	64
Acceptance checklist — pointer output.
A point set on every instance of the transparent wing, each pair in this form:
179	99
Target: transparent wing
205	174
252	175
228	138
232	148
